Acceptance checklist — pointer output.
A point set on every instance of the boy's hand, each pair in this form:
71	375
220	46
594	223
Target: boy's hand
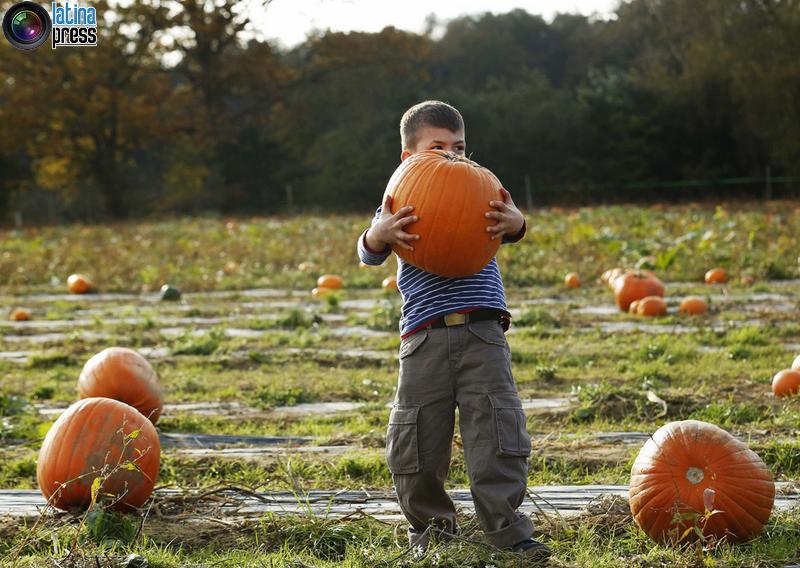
388	230
509	218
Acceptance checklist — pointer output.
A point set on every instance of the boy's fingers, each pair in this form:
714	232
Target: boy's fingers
406	221
494	215
387	203
495	228
408	236
403	211
404	246
498	205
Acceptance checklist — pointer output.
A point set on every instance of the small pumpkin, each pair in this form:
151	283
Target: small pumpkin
635	285
652	306
124	375
389	283
633	309
786	382
20	314
99	437
78	284
450	195
693	306
716	276
331	281
170	293
689	467
572	280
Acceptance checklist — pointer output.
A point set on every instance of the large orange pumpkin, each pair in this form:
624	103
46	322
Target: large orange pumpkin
635	285
690	467
99	437
124	375
651	306
786	382
693	306
450	195
78	284
331	281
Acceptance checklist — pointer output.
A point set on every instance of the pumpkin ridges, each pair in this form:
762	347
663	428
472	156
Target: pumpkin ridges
439	211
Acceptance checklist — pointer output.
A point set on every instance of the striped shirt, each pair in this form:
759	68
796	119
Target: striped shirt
427	296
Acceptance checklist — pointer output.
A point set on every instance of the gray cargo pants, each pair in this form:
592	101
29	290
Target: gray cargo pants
468	366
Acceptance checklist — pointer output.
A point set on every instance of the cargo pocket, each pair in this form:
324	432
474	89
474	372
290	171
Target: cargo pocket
490	332
509	420
412	343
402	452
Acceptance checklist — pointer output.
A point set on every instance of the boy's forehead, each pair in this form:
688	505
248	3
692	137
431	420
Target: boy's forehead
429	134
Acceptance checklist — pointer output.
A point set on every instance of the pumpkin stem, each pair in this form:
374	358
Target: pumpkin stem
695	475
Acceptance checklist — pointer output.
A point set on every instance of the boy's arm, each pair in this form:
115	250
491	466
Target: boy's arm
507	239
366	254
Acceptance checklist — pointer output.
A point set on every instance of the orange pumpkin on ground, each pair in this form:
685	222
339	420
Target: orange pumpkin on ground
20	314
330	281
716	276
95	438
693	306
320	293
572	280
389	283
786	382
124	375
635	285
450	195
78	284
690	467
652	306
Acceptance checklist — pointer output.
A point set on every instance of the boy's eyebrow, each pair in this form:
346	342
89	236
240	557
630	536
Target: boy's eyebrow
443	142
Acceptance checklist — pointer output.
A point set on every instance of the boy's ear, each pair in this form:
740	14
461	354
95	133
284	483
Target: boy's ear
404	154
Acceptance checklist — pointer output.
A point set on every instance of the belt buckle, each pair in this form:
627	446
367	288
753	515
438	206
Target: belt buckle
454	319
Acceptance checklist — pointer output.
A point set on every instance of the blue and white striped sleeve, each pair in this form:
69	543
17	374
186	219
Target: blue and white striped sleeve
367	255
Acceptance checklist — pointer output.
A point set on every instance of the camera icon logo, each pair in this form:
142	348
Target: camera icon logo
27	25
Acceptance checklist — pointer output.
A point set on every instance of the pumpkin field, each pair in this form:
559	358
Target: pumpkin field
269	404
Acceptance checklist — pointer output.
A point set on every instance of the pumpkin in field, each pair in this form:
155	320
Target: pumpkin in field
99	438
635	285
124	375
78	284
450	195
652	306
786	382
389	283
689	468
20	314
716	276
693	306
329	281
572	280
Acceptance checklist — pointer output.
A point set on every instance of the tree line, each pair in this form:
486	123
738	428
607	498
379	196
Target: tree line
178	110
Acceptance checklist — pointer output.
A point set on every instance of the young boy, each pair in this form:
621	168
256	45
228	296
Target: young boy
453	352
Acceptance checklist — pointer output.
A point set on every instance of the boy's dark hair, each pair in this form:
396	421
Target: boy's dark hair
428	113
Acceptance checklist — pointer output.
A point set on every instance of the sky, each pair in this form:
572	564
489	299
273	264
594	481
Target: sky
289	21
